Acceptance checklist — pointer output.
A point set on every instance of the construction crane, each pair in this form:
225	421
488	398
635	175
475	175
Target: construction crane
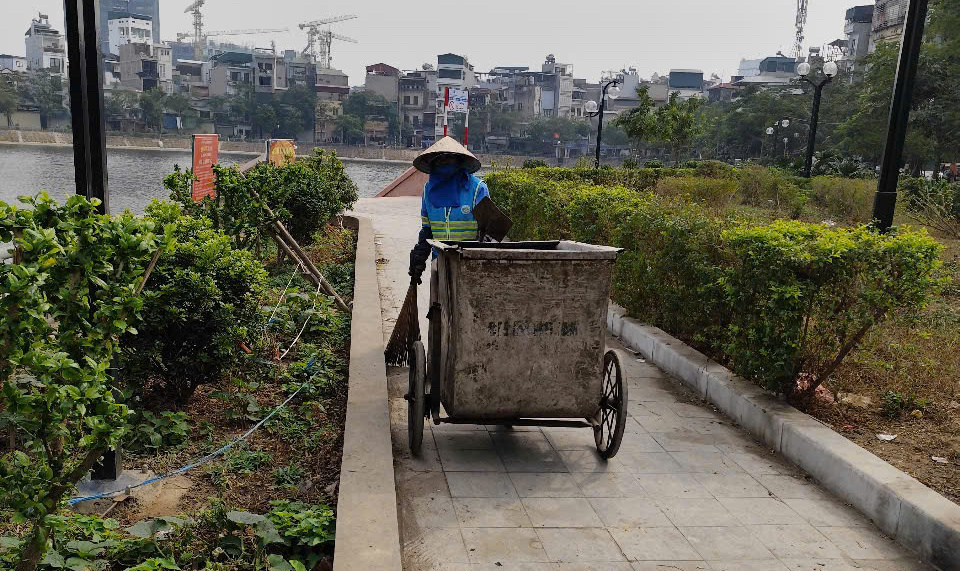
197	26
316	35
801	24
183	35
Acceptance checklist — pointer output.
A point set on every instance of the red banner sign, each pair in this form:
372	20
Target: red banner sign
281	152
205	154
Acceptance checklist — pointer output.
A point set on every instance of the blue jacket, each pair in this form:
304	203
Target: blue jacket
455	222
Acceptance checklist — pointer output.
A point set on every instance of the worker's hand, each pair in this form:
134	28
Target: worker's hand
416	270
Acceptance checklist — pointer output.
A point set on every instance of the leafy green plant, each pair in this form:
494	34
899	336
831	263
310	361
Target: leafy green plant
933	203
154	432
73	289
242	461
288	476
895	403
534	163
303	525
202	303
769	188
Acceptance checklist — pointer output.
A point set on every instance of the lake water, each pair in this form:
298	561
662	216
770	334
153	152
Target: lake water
136	176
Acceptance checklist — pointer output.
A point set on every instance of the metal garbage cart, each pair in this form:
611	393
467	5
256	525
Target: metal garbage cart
516	338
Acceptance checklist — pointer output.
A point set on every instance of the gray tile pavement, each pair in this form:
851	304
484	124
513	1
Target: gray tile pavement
688	491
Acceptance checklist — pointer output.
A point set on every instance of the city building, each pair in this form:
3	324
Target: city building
192	77
775	70
384	80
888	18
722	93
13	63
557	88
415	103
111	8
687	83
332	88
301	70
748	68
45	45
858	29
128	29
229	71
270	72
454	71
144	67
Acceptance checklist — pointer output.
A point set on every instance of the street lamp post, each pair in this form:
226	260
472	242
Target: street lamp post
775	131
611	90
830	71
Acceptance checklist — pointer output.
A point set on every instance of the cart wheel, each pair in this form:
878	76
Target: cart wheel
608	432
416	397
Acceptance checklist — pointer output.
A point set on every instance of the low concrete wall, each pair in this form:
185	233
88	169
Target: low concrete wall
919	518
180	142
368	534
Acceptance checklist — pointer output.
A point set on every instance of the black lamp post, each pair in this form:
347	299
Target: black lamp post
594	110
830	71
775	131
885	201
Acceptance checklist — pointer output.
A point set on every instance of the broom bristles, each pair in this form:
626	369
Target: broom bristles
405	333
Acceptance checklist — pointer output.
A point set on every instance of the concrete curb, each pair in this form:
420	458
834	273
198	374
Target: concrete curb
368	534
919	518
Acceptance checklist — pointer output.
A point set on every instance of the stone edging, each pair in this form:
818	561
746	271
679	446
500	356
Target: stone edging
368	535
919	518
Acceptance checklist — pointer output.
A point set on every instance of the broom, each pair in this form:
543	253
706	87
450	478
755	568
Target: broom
406	332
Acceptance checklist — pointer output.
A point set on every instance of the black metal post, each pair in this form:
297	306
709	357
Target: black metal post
885	202
85	72
814	119
603	107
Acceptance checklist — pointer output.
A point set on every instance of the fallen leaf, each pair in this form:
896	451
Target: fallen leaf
916	414
886	437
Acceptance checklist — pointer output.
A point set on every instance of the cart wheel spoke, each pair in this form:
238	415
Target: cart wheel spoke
608	432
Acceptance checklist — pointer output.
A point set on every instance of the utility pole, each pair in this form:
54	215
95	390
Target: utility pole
85	74
885	202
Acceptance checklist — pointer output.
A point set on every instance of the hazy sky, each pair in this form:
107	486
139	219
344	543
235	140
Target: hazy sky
654	36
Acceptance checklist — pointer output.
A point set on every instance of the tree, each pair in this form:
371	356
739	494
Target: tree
121	104
638	123
151	106
367	105
9	100
264	119
218	106
178	104
46	91
350	129
676	123
303	99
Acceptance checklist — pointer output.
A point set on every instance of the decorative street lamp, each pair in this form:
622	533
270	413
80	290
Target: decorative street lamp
775	131
773	142
611	90
830	71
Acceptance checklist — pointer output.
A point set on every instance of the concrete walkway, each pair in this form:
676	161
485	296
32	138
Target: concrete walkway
688	491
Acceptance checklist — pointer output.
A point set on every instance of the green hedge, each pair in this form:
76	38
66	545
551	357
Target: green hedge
775	302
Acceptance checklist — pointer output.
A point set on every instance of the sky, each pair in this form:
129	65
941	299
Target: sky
651	35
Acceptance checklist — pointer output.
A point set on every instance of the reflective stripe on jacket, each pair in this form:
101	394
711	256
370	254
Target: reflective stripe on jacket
455	223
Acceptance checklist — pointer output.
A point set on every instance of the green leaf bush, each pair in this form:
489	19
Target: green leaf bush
304	195
779	303
67	298
846	199
202	302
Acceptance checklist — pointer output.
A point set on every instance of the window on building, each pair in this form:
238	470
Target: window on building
406	100
406	119
450	74
266	81
416	100
416	121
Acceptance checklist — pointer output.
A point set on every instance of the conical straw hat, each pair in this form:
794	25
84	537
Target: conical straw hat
446	146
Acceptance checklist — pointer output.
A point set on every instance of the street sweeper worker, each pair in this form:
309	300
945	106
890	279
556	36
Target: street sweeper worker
449	198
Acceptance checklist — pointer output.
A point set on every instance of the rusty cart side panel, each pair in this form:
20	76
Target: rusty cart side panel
523	331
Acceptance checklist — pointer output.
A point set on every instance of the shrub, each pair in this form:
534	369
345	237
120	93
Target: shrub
802	296
777	302
202	302
715	193
766	188
534	163
304	195
848	200
715	169
630	163
154	432
933	203
70	292
654	164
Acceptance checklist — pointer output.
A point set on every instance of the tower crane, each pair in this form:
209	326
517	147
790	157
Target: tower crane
801	24
197	26
182	35
316	35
